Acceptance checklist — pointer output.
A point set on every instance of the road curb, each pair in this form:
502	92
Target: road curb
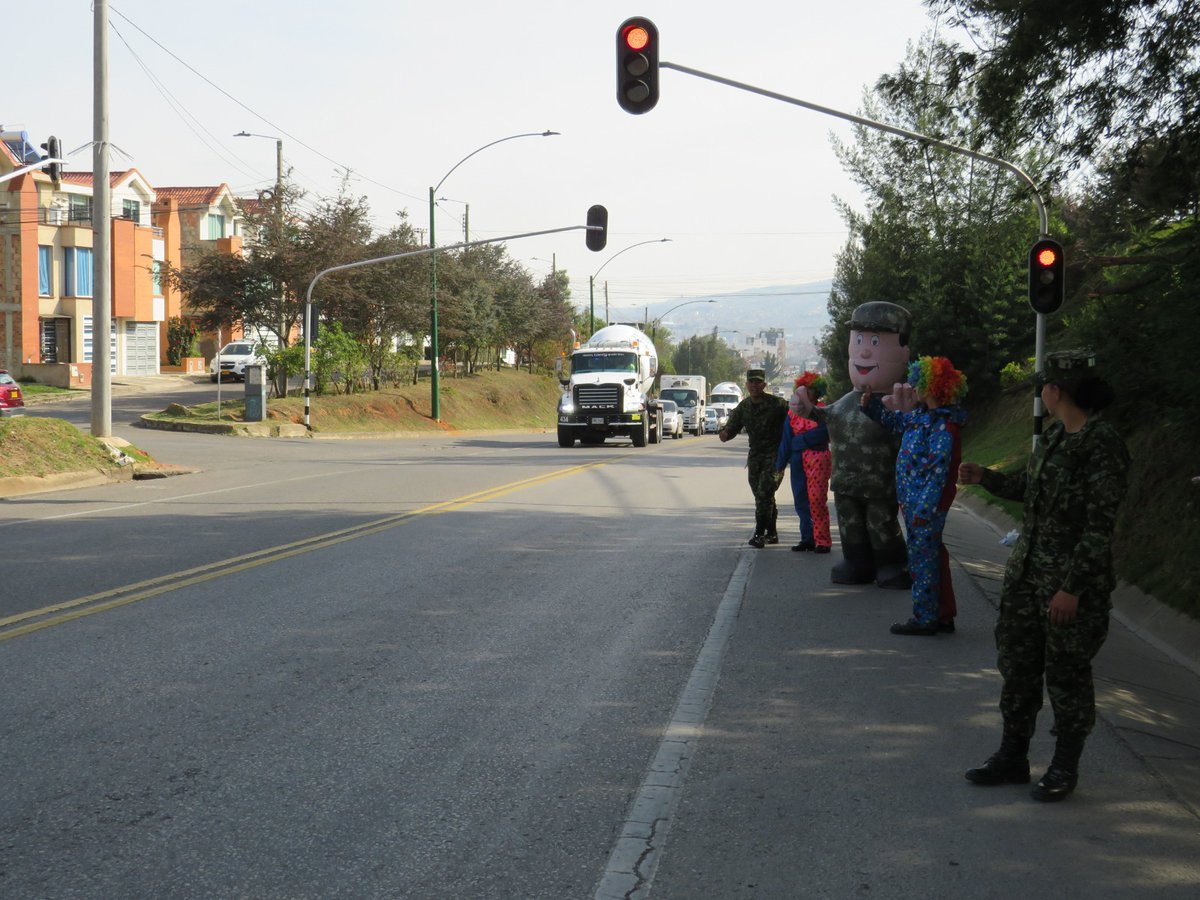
233	429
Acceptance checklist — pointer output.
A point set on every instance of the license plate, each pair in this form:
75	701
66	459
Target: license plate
597	420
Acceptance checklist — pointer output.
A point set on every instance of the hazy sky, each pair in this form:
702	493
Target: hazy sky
400	91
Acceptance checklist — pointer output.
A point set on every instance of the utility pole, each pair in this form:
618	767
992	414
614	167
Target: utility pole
102	229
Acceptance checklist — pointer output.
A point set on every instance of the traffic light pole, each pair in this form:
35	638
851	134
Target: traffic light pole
382	259
1043	221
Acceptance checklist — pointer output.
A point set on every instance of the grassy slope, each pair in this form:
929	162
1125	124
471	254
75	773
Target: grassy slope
1158	528
490	400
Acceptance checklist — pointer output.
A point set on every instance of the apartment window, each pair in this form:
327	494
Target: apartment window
77	271
156	277
131	209
45	259
216	227
80	209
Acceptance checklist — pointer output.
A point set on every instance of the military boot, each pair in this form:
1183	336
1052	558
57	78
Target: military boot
1062	776
1008	765
772	536
758	539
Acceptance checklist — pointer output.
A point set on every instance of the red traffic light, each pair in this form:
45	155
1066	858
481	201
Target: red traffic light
637	65
636	37
1047	276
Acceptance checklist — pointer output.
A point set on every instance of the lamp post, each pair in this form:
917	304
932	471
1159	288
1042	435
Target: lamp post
434	386
592	280
657	319
278	197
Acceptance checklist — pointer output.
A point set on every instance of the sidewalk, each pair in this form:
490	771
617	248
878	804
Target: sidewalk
831	761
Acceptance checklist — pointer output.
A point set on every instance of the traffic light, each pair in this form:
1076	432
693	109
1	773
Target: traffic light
53	150
597	215
637	65
1046	281
314	322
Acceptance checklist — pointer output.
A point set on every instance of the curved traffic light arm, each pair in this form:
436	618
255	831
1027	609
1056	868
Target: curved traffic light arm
1040	331
879	126
394	256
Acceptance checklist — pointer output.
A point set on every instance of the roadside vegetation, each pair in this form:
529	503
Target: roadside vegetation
1094	102
506	399
40	447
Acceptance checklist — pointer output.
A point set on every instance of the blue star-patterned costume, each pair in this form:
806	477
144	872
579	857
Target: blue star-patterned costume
926	472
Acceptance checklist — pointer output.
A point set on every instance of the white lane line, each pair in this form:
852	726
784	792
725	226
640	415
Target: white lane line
634	858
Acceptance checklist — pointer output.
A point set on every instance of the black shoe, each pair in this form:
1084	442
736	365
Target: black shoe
821	549
804	546
1056	784
758	541
1001	769
772	538
945	626
912	626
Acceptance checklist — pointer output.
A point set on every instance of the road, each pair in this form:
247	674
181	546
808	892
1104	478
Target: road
420	665
444	667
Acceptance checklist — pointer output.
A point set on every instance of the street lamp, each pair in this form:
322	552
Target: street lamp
435	402
592	280
278	169
657	319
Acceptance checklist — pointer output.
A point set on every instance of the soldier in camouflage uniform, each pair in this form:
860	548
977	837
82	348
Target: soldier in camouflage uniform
761	415
1055	602
864	452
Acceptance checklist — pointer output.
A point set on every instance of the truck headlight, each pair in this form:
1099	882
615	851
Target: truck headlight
566	405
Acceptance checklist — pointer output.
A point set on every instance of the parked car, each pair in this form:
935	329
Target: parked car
672	418
712	421
10	394
234	358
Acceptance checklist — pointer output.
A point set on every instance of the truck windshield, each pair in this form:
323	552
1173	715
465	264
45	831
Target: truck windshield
595	361
723	398
682	398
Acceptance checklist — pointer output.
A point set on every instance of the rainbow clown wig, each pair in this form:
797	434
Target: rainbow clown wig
938	381
814	382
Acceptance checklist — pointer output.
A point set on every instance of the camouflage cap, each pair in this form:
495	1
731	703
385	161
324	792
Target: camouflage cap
879	315
756	374
1066	365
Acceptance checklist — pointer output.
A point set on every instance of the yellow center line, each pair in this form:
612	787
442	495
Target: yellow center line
113	598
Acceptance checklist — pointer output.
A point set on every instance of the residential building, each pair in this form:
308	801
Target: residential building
195	221
47	273
47	266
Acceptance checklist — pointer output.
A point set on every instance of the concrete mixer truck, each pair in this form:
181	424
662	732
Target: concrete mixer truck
607	392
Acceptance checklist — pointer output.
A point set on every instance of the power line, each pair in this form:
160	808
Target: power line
257	115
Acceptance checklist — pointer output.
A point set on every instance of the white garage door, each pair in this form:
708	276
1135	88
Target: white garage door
141	348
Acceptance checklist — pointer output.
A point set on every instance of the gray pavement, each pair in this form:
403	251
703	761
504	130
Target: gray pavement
802	783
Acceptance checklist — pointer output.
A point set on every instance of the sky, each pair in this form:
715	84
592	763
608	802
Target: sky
399	92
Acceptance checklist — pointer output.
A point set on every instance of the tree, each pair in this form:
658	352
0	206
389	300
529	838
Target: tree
1107	79
265	286
943	235
710	356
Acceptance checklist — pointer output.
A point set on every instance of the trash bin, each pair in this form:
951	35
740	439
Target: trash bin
256	393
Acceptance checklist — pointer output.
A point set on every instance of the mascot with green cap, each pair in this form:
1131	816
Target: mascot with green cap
864	452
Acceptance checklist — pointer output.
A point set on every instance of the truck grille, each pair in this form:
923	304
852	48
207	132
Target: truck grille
597	396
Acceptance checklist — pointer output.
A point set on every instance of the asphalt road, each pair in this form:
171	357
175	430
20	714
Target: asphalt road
376	668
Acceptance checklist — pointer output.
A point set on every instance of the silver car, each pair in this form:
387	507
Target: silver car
672	419
712	421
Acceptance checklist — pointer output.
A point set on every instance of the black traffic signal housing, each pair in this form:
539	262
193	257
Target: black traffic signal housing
1046	276
53	150
597	238
637	65
313	325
